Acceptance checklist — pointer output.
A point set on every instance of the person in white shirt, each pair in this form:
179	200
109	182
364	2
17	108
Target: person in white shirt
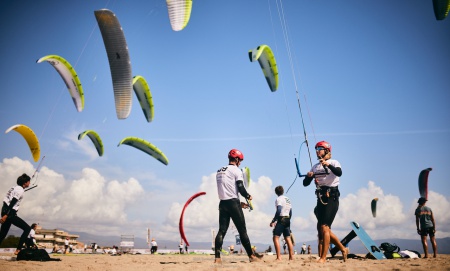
303	251
282	223
181	246
114	251
229	185
154	247
10	207
327	175
31	240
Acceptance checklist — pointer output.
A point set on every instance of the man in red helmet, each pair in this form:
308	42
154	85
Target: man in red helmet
229	185
326	174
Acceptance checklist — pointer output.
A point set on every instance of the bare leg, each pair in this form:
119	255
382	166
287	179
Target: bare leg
319	247
434	245
290	247
338	243
326	243
425	245
276	243
320	240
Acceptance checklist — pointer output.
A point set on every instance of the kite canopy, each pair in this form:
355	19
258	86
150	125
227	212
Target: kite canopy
179	13
119	60
374	207
70	77
146	147
266	60
423	182
95	139
441	8
30	138
180	225
142	91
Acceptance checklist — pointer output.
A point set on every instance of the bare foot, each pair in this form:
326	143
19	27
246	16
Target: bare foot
218	260
278	259
345	254
320	260
16	252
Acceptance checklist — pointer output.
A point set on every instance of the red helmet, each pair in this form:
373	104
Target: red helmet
324	145
234	153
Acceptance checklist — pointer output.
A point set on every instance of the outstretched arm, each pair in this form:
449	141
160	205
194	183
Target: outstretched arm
242	190
336	170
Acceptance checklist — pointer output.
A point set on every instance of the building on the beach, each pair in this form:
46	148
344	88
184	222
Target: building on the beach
52	238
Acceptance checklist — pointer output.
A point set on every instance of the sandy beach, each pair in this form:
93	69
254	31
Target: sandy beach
205	262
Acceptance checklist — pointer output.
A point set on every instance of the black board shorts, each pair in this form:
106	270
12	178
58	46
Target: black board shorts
326	213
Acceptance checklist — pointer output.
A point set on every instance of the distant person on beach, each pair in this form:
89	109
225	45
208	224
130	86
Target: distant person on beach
31	240
309	249
115	251
326	174
303	251
282	222
154	246
186	248
9	211
284	245
229	185
94	247
66	245
425	219
181	246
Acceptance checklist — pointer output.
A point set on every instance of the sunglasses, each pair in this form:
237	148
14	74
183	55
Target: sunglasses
320	148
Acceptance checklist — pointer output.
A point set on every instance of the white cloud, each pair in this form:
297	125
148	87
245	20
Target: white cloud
91	203
86	203
391	220
357	207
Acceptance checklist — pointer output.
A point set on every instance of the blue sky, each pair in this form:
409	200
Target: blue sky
372	79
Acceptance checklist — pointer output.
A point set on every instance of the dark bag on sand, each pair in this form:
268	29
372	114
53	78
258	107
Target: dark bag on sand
390	250
29	254
388	247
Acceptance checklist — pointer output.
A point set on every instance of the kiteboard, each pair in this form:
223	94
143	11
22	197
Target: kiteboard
371	246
